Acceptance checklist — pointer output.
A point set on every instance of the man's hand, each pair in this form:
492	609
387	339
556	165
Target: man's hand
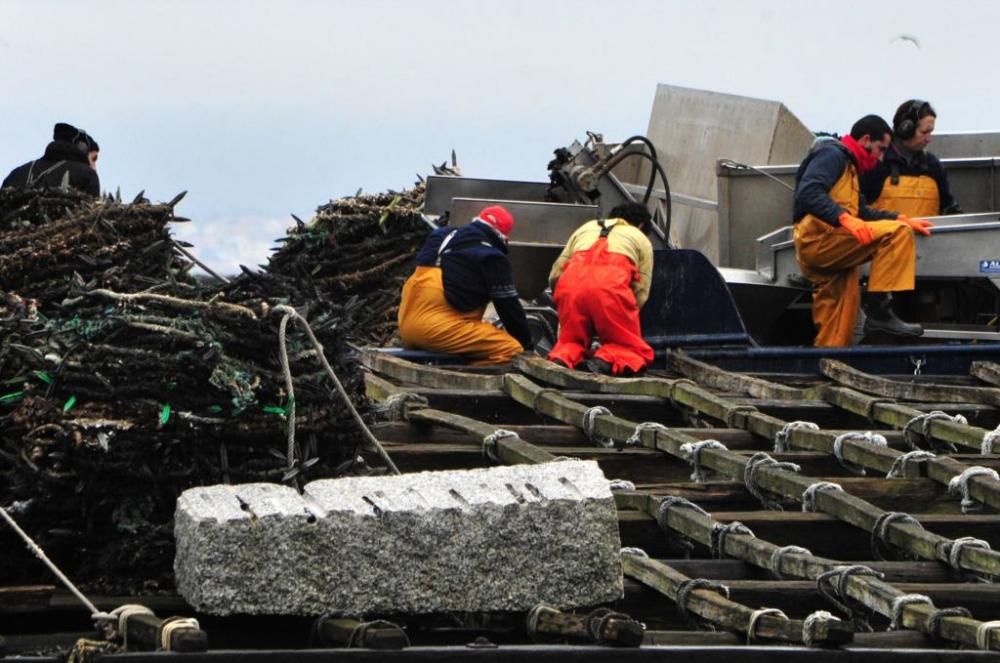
922	226
861	231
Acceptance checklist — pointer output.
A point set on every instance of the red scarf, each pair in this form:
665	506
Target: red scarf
862	157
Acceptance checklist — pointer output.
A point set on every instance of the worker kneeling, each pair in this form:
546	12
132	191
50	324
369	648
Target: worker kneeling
459	271
600	281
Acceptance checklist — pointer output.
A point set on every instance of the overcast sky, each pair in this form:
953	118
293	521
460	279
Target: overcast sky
262	109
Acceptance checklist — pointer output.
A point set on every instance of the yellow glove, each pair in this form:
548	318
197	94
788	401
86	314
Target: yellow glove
922	226
861	231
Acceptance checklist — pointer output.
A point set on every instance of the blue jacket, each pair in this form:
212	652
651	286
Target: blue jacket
819	171
475	270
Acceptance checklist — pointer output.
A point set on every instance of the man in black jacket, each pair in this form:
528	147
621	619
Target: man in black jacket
459	271
70	158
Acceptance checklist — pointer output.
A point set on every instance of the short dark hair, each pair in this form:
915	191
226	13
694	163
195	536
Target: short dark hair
870	125
915	109
635	213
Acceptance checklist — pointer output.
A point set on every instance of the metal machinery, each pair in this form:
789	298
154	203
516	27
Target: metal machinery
736	313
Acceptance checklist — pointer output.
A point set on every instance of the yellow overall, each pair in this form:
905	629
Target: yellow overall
916	196
831	258
428	322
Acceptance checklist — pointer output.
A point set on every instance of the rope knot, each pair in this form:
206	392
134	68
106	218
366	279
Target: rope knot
590	421
924	422
692	453
809	494
898	468
490	443
959	485
781	437
635	439
866	437
753	466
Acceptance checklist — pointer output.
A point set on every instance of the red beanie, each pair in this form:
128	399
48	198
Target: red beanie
499	218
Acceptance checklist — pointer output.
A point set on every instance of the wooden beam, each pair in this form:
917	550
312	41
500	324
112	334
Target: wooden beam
987	371
427	376
908	391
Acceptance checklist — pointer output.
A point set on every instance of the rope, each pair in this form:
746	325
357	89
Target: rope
171	624
781	437
838	578
541	394
809	494
811	622
959	485
685	588
924	420
590	419
881	529
638	552
953	549
40	554
395	408
779	554
983	633
758	460
899	603
692	453
868	437
673	388
739	409
490	443
620	484
357	637
990	438
899	465
635	439
122	613
756	615
292	313
535	614
717	536
597	623
675	501
934	621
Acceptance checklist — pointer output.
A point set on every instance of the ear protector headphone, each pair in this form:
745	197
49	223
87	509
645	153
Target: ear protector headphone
907	127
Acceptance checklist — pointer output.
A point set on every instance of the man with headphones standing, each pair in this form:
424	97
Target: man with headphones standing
836	232
910	180
70	158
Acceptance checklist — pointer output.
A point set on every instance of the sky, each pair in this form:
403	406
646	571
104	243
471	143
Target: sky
265	109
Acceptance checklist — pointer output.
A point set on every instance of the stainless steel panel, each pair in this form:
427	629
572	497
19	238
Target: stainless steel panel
551	223
441	190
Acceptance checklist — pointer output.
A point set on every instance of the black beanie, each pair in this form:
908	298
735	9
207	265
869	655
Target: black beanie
66	132
92	145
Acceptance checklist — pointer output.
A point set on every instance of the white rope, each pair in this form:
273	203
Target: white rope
590	419
638	552
956	547
781	437
756	615
122	613
171	624
959	485
881	529
635	439
779	554
983	632
990	438
692	453
717	537
394	408
40	554
321	355
867	437
924	420
490	443
675	501
903	460
809	494
620	484
758	460
811	622
899	603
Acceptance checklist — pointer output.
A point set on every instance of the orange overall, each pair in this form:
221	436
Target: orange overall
831	258
428	322
594	296
916	196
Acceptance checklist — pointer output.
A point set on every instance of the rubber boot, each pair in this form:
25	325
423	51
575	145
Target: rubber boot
879	316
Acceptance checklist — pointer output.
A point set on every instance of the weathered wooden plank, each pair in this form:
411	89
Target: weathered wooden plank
601	626
713	376
346	632
717	609
510	450
909	391
427	376
987	371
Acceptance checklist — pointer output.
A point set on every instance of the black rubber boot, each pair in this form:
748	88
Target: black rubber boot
879	317
599	366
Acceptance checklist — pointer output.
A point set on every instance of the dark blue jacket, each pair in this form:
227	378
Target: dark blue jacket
817	174
895	164
475	270
61	157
